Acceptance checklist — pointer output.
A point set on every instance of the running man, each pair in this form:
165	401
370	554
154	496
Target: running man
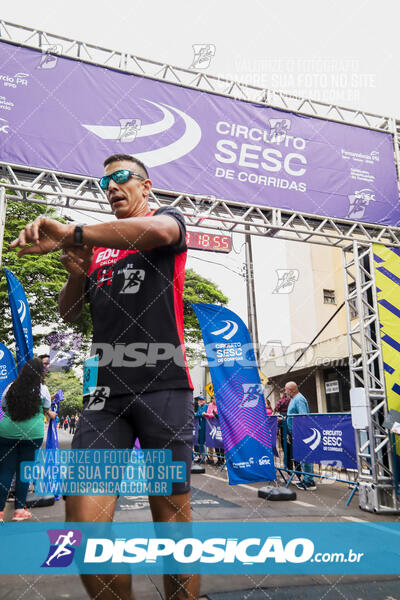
145	390
62	549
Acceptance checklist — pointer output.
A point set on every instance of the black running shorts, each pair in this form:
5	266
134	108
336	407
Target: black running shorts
160	419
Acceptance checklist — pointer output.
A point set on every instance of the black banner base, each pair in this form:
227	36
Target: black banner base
34	501
197	469
276	493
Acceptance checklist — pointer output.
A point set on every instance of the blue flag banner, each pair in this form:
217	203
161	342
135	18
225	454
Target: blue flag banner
239	394
213	434
21	319
8	371
52	434
325	438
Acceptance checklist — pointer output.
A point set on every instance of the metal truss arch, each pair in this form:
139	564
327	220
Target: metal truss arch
71	191
131	63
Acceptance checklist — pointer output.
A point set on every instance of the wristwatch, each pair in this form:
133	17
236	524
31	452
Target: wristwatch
78	235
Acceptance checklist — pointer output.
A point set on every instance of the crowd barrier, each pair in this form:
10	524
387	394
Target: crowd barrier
325	440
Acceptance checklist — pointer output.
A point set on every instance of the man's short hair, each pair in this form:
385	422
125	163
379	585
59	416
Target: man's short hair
42	356
119	157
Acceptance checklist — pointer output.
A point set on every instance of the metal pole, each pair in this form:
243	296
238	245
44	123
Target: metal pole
251	298
3	209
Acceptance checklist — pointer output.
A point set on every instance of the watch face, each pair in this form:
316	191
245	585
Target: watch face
78	235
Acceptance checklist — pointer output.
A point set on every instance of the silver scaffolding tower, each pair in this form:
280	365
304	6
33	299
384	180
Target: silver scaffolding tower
71	191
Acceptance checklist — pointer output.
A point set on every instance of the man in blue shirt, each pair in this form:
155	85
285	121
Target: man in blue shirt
298	405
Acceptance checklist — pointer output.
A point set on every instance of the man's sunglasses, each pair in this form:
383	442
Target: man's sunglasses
121	176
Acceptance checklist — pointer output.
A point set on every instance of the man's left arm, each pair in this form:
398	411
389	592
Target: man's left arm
137	233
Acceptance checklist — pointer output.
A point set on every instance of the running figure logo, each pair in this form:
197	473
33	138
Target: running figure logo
359	201
62	547
278	129
98	397
203	54
133	279
286	281
252	392
128	129
49	56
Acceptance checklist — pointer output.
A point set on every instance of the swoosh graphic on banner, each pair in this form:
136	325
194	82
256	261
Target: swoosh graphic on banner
21	311
112	132
316	435
228	325
1	354
185	144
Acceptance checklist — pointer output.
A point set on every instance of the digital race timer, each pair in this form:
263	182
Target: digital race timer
208	241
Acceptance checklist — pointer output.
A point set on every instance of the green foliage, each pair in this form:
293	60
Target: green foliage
198	289
72	389
42	277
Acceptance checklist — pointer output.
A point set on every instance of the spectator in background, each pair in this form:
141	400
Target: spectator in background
72	424
298	406
282	404
21	431
281	410
66	423
45	358
268	407
212	412
199	414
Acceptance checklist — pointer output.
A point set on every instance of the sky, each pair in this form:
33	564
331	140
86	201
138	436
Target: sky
341	52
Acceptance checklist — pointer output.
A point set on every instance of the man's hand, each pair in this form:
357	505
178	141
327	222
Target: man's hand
77	260
45	235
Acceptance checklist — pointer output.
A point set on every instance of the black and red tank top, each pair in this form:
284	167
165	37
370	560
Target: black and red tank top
136	305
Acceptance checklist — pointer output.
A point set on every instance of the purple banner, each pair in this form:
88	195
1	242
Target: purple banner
327	438
213	434
62	114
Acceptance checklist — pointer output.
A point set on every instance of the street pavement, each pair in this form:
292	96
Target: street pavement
214	500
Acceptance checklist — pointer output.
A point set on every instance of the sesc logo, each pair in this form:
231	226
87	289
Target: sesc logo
21	310
314	439
134	129
359	201
215	433
264	460
62	547
229	329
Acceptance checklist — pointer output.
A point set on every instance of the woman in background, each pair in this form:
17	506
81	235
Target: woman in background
21	431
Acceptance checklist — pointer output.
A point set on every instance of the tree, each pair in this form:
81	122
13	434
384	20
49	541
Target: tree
72	389
42	277
198	289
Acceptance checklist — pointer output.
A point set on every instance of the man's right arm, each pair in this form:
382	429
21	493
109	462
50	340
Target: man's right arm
71	298
72	295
